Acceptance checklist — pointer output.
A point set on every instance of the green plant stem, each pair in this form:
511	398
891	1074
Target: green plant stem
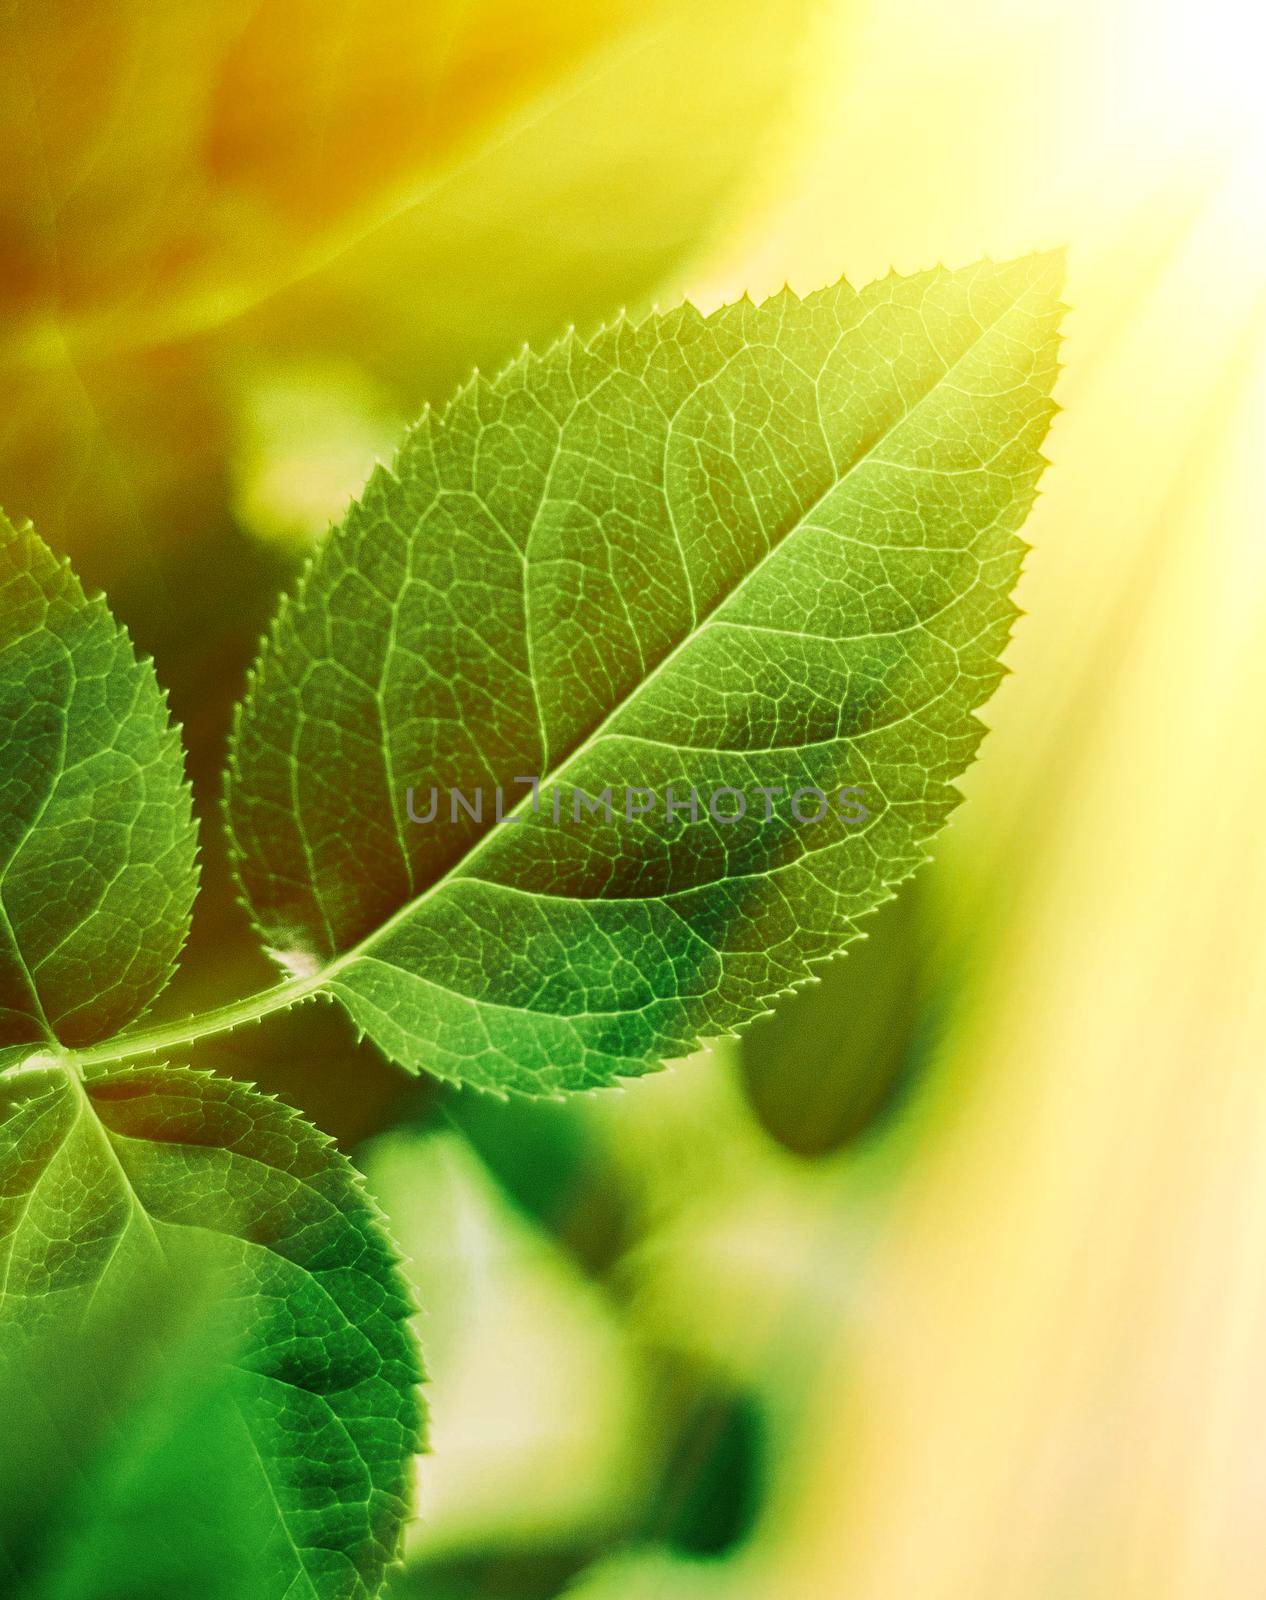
174	1035
221	1019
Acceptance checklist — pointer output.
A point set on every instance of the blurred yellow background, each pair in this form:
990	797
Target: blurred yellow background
1012	1341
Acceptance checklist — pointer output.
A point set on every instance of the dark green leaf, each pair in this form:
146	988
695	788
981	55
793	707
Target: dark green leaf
830	1062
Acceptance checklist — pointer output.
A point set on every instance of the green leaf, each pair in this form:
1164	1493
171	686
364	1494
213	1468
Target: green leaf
833	1062
111	1438
771	547
97	839
223	1257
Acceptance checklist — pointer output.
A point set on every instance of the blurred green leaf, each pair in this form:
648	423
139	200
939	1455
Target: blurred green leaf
295	1420
557	1434
833	1059
651	1573
553	1163
308	434
493	1574
535	1398
710	1479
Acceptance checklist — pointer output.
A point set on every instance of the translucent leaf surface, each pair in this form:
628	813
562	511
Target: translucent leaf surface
97	845
221	1258
771	549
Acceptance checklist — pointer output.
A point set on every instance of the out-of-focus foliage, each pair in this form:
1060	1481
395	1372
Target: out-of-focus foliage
415	189
536	1421
835	1058
554	1164
305	433
651	1574
558	1430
